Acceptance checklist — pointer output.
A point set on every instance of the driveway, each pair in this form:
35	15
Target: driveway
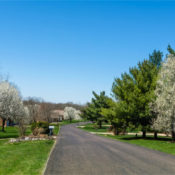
80	153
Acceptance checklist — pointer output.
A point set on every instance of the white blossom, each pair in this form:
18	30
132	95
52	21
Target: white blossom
11	105
165	97
71	113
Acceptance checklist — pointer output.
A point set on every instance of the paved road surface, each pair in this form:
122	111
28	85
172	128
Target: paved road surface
80	153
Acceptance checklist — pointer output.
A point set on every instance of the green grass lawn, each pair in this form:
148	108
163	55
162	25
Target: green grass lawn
90	127
24	158
163	144
66	122
56	128
12	132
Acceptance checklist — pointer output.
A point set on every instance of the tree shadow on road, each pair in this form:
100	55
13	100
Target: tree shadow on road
147	138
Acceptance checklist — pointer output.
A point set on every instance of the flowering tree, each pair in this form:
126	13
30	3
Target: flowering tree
22	117
164	105
6	101
11	105
33	107
71	113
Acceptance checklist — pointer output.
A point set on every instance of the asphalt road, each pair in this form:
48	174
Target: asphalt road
80	153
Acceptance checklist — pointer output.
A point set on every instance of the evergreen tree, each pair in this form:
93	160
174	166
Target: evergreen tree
94	109
122	90
115	116
136	90
170	50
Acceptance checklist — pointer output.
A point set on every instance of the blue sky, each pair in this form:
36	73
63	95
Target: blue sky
62	50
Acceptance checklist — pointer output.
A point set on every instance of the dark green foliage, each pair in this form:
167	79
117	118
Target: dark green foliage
156	58
135	91
170	50
88	112
93	110
116	115
40	124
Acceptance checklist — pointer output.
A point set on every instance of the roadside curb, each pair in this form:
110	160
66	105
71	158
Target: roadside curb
43	172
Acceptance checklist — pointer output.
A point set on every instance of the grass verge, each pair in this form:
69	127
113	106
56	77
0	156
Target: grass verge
91	127
67	122
163	144
12	132
24	158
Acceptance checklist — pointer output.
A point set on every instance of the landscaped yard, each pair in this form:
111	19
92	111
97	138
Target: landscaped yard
91	127
163	144
23	158
12	132
66	122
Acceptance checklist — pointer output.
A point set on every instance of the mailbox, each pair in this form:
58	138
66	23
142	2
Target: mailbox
51	127
51	130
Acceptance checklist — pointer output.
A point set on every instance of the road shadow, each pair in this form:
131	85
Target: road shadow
146	138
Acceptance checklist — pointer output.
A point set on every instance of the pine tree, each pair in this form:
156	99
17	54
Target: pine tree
136	90
93	110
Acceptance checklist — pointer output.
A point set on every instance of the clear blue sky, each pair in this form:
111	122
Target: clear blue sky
61	51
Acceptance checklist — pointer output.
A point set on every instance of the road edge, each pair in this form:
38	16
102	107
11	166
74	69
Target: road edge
45	165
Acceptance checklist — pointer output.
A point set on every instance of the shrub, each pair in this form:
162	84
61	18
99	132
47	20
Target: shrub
40	128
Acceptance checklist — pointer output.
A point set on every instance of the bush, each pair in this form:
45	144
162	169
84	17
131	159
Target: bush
40	128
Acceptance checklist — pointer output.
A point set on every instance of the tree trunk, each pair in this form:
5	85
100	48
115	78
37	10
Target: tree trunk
100	124
172	131
22	128
155	134
115	130
173	136
124	131
70	120
144	133
3	124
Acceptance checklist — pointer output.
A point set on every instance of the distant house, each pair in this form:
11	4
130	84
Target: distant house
57	115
